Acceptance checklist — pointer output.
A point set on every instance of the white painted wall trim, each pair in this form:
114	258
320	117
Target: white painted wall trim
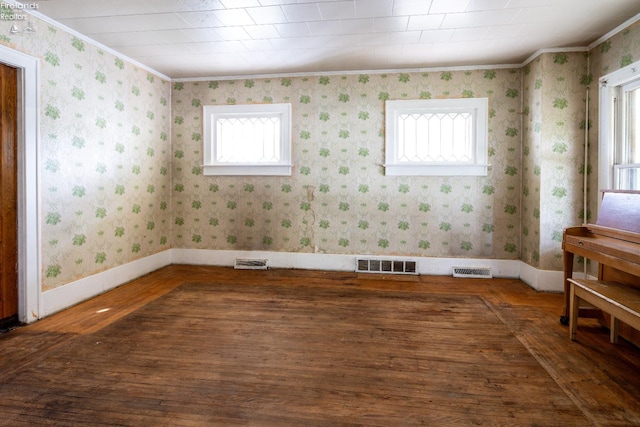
75	292
542	280
303	261
72	293
339	262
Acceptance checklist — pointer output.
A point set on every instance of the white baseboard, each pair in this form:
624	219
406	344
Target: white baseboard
303	261
88	287
540	280
339	262
72	293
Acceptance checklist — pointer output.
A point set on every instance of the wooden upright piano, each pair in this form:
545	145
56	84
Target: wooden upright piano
613	242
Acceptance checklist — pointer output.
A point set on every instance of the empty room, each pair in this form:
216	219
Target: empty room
320	212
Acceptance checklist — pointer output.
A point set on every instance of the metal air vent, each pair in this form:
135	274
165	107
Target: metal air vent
472	272
386	266
250	264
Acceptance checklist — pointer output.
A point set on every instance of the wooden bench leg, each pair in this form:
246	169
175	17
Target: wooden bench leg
613	331
574	309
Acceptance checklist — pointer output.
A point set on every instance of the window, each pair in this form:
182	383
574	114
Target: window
247	139
619	143
445	137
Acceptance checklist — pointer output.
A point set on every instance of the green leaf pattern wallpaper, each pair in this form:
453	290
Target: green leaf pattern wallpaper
553	154
104	157
121	153
338	199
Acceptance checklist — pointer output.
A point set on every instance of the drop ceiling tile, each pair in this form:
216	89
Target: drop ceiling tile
531	3
393	23
232	33
258	32
182	5
477	5
299	29
125	23
144	38
448	6
302	12
411	7
233	17
257	45
504	31
376	39
218	47
439	36
267	15
357	26
303	43
337	10
236	4
324	28
425	22
536	15
203	35
249	36
200	19
479	19
470	34
277	2
373	8
92	8
404	37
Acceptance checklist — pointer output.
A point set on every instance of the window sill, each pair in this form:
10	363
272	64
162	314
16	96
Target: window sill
247	170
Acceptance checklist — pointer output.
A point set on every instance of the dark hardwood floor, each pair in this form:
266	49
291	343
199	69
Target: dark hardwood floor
192	346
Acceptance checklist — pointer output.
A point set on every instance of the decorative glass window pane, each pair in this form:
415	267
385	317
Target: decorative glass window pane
436	137
247	139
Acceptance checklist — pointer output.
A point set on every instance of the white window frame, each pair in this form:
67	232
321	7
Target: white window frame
611	95
478	166
212	113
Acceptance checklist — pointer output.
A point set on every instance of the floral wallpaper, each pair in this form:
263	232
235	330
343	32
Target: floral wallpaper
338	199
121	179
104	156
531	159
555	86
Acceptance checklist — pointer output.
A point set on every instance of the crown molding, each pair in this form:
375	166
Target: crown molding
87	39
83	37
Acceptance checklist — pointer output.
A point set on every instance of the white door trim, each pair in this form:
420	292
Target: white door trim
29	231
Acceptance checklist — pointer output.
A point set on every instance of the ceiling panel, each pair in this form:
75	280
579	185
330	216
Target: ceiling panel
221	38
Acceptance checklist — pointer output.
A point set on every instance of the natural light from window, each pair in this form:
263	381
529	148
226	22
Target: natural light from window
252	139
248	140
627	167
436	137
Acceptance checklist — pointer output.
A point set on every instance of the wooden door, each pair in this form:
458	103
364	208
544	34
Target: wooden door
8	192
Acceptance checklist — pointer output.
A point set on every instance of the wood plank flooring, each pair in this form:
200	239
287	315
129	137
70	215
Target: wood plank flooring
190	345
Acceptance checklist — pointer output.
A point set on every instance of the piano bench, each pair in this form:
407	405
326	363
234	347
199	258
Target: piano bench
621	302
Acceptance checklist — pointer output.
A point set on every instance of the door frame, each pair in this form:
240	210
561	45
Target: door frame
28	214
